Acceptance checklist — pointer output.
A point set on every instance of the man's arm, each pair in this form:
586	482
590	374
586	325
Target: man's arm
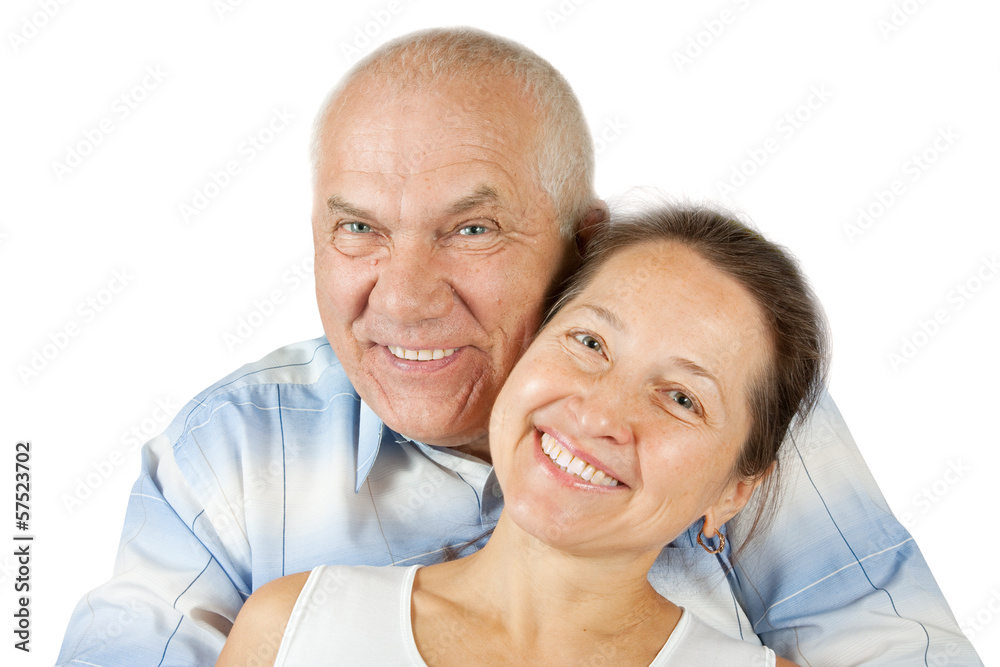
835	579
256	636
175	592
275	469
184	567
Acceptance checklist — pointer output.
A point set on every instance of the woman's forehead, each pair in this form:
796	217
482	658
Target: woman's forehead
672	303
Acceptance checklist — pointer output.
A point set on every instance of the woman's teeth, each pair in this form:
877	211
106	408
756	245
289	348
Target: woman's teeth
573	465
420	355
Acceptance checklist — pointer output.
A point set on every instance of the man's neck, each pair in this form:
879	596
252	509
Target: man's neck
479	449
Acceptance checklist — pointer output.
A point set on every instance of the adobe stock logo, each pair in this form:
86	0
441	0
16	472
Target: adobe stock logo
560	13
913	169
712	30
787	126
956	299
248	150
32	25
87	311
300	273
224	7
931	494
899	16
121	108
975	624
365	34
610	132
90	480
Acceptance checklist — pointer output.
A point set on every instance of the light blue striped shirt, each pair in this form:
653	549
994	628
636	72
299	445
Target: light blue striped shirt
280	467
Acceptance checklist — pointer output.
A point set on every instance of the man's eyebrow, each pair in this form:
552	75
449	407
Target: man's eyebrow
336	203
483	196
606	315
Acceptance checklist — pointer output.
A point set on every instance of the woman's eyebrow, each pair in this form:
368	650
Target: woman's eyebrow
606	315
695	369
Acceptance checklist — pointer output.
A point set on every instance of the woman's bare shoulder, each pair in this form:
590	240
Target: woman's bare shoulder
261	622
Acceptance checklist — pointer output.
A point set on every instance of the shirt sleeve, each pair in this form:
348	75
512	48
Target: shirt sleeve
835	579
176	589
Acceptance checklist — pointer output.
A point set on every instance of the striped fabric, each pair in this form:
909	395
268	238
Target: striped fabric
280	467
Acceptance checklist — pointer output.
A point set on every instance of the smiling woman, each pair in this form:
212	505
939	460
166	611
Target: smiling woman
790	376
656	396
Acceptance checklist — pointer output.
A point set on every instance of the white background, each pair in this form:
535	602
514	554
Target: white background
682	127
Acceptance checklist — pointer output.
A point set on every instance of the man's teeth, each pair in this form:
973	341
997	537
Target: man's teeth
420	355
573	465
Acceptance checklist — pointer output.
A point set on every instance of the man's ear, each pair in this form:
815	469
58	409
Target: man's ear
732	501
595	219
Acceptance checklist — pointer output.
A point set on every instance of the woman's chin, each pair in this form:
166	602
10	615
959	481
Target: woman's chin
544	518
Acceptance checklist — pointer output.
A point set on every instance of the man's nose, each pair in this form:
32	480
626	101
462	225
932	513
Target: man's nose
601	413
411	286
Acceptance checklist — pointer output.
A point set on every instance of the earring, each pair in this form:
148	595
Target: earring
722	541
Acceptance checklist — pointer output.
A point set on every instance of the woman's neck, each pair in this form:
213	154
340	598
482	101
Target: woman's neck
540	603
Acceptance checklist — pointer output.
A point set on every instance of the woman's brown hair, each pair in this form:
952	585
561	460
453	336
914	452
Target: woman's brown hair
796	375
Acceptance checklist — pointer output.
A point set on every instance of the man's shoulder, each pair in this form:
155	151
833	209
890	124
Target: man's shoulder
821	440
304	375
305	363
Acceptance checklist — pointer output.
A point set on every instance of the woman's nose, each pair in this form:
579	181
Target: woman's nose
601	413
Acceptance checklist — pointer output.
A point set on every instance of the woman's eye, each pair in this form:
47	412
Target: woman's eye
358	227
681	399
473	230
589	341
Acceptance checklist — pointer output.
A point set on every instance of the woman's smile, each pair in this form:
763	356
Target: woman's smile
572	462
646	404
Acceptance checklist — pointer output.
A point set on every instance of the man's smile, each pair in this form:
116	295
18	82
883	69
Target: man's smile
404	362
420	355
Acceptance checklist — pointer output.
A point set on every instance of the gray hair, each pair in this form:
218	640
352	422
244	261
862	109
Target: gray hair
565	159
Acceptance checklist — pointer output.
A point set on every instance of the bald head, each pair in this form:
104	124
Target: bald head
425	61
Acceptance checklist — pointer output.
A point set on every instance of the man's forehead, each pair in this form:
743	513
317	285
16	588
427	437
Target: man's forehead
495	107
472	85
475	164
441	150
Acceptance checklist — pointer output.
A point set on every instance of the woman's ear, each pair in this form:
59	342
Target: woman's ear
735	498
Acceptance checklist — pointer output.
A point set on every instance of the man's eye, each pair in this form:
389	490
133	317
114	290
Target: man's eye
589	341
681	399
473	230
358	227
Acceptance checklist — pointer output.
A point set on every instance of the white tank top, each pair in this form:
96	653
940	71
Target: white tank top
360	615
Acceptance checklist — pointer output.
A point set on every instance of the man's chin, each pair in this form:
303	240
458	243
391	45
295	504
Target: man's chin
456	434
428	420
448	408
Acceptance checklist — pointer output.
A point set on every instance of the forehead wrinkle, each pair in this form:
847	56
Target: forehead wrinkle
607	315
494	131
482	136
373	166
696	369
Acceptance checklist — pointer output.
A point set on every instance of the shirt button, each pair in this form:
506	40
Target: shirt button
497	491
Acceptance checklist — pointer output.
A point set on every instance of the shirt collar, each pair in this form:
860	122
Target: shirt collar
371	432
370	428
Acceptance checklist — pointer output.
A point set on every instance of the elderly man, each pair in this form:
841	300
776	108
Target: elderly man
453	173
